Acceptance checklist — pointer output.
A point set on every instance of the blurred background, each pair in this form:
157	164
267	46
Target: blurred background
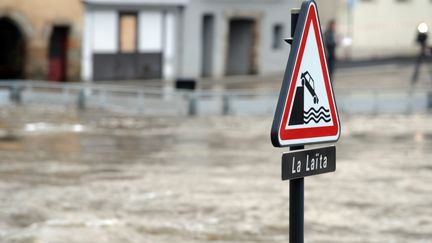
149	121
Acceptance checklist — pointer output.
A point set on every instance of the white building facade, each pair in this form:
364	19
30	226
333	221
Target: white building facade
377	29
168	39
130	39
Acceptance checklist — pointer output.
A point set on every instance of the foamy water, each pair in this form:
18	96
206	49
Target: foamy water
125	179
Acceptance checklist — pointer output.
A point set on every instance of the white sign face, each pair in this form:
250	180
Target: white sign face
310	83
306	111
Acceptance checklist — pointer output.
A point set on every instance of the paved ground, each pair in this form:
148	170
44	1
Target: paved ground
386	75
376	76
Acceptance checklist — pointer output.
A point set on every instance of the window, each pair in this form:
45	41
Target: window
128	33
277	36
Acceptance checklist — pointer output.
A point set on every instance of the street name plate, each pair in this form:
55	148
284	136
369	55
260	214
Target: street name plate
308	162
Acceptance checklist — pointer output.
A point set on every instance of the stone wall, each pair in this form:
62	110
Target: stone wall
36	19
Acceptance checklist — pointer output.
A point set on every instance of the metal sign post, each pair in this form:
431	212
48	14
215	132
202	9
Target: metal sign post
306	112
296	207
296	189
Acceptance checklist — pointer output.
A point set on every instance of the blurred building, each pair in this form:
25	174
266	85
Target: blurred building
40	39
376	29
139	39
146	39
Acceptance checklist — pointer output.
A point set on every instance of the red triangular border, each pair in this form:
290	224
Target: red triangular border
314	132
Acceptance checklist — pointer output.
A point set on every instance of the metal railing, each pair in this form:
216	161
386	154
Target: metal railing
168	101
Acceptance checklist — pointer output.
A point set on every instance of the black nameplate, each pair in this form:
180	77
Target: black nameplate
308	162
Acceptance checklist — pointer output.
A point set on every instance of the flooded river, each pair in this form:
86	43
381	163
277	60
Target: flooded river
68	177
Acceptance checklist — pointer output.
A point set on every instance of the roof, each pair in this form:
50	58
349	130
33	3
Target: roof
136	2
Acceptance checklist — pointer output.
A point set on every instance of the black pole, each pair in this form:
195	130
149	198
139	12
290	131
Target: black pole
294	17
296	197
296	209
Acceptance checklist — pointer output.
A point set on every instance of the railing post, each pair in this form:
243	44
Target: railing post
140	102
15	94
429	100
192	108
225	104
81	100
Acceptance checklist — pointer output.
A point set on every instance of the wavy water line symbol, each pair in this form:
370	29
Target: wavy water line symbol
316	111
316	115
317	120
321	114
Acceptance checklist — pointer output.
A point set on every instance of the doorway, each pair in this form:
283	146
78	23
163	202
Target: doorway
241	47
57	55
207	45
129	62
12	50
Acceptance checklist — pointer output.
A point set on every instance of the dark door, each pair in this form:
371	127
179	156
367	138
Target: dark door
12	45
240	47
57	56
207	45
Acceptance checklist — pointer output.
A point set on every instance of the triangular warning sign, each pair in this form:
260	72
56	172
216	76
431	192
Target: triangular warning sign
306	111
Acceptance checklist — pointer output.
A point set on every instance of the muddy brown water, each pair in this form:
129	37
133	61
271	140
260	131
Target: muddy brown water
96	177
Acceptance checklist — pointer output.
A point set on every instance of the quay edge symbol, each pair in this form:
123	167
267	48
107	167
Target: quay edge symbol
306	112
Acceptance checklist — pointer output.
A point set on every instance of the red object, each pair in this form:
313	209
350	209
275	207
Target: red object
55	68
58	54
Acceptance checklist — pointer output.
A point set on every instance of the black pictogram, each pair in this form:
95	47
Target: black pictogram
298	114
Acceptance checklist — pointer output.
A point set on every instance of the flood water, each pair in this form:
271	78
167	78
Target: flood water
94	177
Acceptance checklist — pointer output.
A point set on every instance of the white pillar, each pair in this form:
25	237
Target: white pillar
169	60
86	51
